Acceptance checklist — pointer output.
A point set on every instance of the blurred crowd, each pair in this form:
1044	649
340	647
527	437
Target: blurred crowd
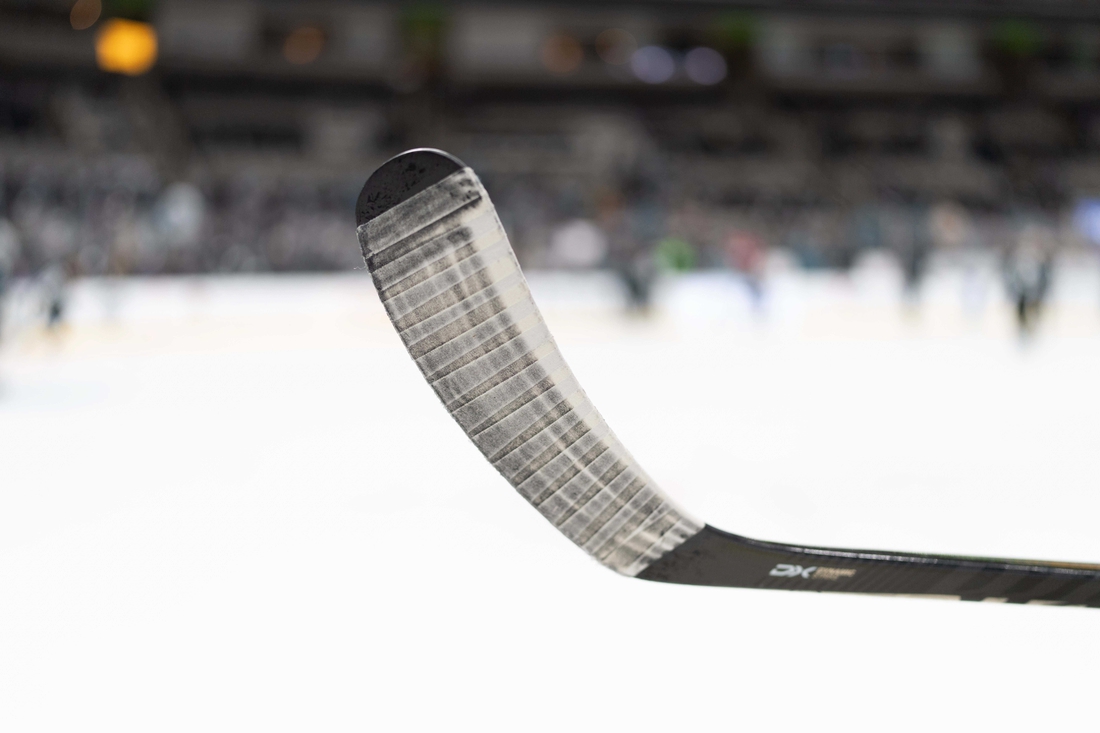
117	216
613	189
691	143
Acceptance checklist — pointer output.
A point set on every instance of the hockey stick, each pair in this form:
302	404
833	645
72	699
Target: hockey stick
450	283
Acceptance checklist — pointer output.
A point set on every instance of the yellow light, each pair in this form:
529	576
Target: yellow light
126	47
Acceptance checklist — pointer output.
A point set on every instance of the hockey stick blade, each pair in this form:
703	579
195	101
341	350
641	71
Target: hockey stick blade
450	283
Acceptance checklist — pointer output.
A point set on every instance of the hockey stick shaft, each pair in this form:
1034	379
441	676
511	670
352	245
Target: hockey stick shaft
714	557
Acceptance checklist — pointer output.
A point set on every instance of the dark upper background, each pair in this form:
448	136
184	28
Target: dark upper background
823	128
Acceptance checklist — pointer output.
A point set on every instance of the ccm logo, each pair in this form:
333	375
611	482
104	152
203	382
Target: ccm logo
783	570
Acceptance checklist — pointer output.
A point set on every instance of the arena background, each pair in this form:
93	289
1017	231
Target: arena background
827	267
823	129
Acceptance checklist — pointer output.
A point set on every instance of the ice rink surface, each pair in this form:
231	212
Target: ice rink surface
233	504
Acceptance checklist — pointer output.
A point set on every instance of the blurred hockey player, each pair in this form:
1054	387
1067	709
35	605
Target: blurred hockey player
632	261
745	255
915	252
1028	270
52	281
954	235
9	252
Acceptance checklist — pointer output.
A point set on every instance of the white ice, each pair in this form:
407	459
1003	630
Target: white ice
233	504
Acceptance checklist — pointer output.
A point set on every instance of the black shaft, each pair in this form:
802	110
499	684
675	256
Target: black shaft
718	558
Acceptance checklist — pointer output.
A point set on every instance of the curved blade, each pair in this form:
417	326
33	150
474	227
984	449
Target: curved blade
453	289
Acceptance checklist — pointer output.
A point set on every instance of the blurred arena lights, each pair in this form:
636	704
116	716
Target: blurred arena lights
705	66
304	44
615	46
653	64
126	47
85	13
562	54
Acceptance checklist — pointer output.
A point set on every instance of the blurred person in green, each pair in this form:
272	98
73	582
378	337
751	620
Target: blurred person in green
675	254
